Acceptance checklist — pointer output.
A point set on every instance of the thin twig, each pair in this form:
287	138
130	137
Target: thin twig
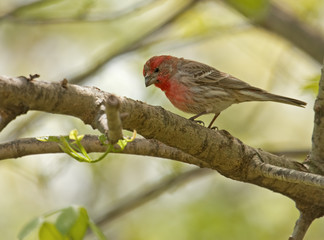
147	147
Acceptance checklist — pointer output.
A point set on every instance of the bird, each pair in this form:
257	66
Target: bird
199	89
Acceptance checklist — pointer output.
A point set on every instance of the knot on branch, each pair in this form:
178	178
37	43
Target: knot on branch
113	101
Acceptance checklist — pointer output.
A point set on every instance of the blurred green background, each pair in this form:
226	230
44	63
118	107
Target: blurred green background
104	43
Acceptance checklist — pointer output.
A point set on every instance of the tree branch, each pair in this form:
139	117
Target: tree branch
306	217
290	175
217	149
7	115
301	227
30	146
316	160
114	121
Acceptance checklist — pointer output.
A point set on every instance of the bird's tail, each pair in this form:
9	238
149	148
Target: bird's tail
260	95
286	100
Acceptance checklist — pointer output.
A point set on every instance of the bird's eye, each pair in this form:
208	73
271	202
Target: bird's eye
156	70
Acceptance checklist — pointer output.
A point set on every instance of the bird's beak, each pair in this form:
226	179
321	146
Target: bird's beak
148	81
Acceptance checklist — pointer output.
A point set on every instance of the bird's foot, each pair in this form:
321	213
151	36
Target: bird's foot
199	122
214	128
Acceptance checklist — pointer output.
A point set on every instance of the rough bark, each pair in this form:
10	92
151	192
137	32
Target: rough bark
217	150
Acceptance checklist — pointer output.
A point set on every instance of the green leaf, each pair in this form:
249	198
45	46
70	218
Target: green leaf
78	230
48	231
73	222
73	134
29	227
77	151
122	143
66	220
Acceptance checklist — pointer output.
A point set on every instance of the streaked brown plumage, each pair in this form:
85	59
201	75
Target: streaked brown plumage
197	88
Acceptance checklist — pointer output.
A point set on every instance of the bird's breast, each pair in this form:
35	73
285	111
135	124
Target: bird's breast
179	95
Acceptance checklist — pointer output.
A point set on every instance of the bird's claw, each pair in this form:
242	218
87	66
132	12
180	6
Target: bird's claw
214	128
199	122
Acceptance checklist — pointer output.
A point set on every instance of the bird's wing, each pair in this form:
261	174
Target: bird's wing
209	76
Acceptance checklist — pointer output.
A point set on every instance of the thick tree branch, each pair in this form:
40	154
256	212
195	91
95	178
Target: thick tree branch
218	149
316	160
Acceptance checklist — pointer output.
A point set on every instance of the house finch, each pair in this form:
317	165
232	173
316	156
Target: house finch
197	88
